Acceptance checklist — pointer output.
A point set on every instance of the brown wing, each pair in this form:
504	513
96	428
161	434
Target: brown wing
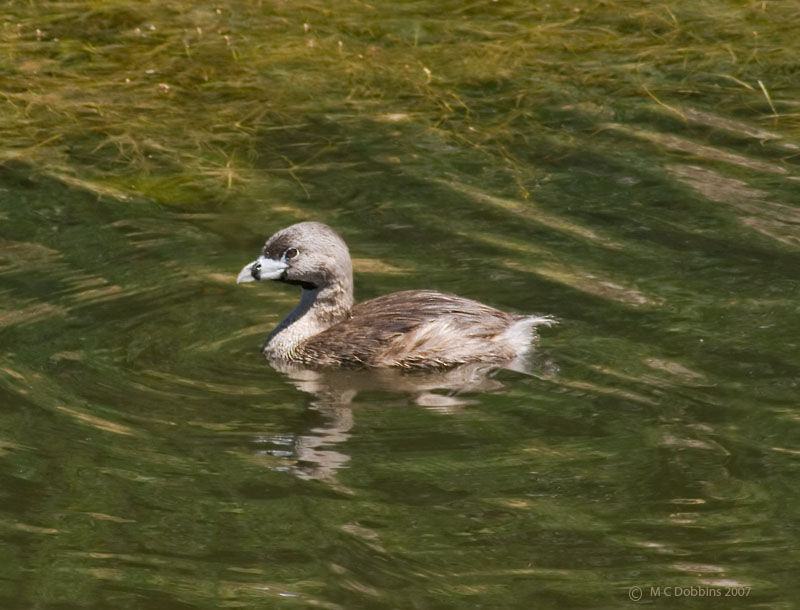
419	328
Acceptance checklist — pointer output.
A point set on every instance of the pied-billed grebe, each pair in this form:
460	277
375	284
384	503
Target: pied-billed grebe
412	329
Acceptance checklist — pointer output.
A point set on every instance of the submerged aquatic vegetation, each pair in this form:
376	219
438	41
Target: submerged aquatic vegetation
627	166
178	99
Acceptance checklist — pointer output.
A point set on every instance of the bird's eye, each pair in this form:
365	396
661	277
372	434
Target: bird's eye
291	253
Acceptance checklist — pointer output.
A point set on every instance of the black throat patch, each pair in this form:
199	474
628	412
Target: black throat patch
302	284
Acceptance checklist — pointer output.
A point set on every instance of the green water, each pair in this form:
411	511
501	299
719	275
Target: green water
628	167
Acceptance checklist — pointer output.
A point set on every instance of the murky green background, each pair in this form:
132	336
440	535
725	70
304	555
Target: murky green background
630	167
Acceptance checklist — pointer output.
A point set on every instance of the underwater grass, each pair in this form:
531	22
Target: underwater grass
180	100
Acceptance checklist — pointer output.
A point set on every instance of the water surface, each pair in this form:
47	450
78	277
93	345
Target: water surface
629	168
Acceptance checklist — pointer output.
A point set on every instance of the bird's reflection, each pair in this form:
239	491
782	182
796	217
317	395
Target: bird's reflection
334	392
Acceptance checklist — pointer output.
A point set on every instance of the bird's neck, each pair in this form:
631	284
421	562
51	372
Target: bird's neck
318	310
